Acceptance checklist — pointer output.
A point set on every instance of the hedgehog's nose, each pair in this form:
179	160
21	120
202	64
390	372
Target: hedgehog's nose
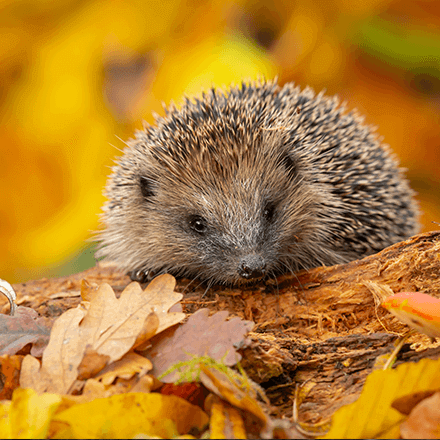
252	266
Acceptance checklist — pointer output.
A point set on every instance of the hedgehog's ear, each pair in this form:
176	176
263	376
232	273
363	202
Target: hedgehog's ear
147	186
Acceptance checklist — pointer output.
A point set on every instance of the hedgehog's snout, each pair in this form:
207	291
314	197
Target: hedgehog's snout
252	266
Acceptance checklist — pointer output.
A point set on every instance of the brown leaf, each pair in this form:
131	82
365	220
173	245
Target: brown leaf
405	404
9	373
125	368
25	327
149	329
193	392
201	335
92	363
145	384
424	420
61	358
88	290
110	326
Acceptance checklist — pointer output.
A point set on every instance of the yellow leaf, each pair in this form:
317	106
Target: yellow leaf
127	415
5	421
372	415
226	421
28	414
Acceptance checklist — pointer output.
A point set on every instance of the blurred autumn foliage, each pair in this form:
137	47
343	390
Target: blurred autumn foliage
77	76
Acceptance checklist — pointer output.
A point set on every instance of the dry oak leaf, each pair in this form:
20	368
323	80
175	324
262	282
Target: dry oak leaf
25	327
201	335
109	327
424	420
125	368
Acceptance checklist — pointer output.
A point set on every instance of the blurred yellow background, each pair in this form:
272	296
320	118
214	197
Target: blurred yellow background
78	76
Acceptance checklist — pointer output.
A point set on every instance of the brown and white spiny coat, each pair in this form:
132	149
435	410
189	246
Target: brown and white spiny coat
252	181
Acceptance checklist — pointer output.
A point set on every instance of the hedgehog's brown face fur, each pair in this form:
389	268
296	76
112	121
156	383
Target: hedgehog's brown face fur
249	183
231	222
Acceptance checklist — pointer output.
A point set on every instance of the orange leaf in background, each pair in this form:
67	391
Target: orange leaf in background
419	310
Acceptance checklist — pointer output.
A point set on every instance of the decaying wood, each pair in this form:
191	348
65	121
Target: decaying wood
323	325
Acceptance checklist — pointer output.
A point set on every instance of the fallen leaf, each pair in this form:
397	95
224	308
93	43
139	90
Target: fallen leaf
128	415
165	301
424	420
5	420
193	392
405	404
239	394
419	310
25	327
232	390
93	389
92	363
146	384
125	368
9	373
149	329
372	414
201	335
88	290
112	325
28	414
109	327
61	358
225	421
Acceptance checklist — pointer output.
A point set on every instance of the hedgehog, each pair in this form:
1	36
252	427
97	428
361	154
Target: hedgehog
245	183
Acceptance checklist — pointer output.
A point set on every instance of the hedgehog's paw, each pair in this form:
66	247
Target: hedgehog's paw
142	275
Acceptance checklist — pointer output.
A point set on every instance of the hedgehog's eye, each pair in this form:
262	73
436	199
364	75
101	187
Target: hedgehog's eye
147	189
198	224
269	211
